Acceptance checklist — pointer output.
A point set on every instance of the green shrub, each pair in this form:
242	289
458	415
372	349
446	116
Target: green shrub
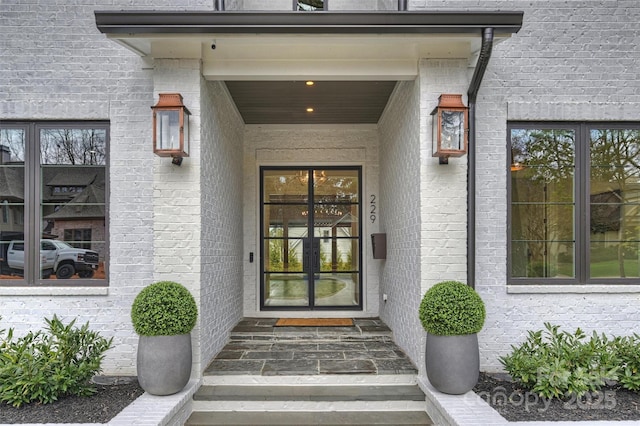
165	308
452	308
558	364
628	350
45	365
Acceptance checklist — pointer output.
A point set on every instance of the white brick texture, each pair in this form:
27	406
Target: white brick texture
572	60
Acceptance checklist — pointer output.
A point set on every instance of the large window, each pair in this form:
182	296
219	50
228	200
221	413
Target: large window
574	213
53	178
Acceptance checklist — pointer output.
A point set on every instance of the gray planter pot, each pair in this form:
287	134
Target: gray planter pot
164	363
453	362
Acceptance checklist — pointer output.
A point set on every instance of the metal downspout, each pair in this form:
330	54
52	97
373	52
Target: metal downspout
472	94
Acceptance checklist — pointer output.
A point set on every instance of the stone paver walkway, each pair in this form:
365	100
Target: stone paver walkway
258	347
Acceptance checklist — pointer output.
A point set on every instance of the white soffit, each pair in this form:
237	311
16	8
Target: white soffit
287	57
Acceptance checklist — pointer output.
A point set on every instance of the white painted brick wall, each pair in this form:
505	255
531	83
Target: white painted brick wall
177	226
423	203
572	60
222	210
443	187
400	193
62	67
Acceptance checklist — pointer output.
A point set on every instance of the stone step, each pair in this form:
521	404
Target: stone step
310	393
262	403
302	418
265	328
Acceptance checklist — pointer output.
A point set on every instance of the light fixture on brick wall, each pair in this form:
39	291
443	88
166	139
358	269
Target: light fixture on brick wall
171	127
450	128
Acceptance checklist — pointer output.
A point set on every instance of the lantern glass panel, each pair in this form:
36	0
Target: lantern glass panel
185	149
435	132
167	130
452	137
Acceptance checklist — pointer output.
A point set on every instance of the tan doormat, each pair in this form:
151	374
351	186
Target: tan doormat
314	322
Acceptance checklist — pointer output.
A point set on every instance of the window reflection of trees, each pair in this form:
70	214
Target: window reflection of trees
544	208
542	197
309	5
12	145
615	181
73	146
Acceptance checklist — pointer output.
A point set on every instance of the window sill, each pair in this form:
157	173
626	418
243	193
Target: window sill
580	289
54	291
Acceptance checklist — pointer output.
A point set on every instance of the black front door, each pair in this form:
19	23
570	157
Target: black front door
310	232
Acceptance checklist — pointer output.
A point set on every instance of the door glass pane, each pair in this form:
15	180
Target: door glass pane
284	255
73	202
286	289
337	289
339	254
285	186
336	220
542	203
335	186
12	156
614	208
289	219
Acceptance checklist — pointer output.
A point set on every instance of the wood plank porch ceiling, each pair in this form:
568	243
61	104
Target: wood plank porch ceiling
333	102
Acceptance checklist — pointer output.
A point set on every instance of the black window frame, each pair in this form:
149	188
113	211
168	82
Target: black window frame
32	201
581	197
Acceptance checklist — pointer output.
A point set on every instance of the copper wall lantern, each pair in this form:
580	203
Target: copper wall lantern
450	128
171	127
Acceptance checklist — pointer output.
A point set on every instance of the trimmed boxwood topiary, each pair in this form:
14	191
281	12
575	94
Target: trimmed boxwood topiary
452	308
164	308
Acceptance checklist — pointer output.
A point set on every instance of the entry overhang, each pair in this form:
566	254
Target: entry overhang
203	22
292	45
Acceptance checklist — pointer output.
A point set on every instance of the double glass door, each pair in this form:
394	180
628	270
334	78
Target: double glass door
311	238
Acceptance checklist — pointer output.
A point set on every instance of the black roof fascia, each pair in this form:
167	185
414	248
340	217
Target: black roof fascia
206	22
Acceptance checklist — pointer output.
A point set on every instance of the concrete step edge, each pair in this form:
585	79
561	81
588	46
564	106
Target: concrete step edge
316	380
371	392
311	406
368	392
301	418
304	338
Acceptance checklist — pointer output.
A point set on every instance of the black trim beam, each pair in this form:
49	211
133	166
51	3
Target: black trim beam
133	22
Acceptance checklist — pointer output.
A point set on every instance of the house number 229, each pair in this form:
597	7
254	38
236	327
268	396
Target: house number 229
372	208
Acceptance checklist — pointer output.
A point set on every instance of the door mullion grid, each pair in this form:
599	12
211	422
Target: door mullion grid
312	238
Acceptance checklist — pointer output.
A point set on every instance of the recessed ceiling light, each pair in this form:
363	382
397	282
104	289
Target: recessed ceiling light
309	109
310	83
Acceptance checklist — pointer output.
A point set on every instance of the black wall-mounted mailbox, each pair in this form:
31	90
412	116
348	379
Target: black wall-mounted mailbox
379	245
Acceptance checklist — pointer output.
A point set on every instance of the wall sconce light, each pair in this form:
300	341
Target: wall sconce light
450	128
171	127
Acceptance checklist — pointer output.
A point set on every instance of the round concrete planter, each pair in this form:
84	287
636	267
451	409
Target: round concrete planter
164	363
453	362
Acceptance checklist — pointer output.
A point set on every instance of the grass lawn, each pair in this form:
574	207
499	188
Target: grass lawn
604	269
611	269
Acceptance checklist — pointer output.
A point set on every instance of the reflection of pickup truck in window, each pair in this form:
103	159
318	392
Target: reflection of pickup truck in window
56	257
